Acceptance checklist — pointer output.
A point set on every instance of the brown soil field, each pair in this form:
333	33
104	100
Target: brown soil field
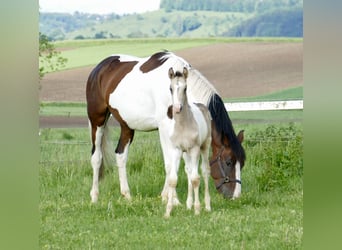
235	69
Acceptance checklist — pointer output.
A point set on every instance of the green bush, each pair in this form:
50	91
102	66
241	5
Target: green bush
278	156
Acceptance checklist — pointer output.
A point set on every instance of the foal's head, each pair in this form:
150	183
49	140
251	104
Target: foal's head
178	89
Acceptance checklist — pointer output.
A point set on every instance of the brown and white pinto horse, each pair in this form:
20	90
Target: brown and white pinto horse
135	91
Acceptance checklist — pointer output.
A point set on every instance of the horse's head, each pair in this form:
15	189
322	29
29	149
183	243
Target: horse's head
178	88
226	164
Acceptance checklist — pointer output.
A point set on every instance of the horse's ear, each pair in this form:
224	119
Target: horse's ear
171	73
185	72
240	136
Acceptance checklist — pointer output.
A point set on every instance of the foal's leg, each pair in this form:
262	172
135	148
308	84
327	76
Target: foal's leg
194	176
167	155
172	181
96	160
205	167
189	200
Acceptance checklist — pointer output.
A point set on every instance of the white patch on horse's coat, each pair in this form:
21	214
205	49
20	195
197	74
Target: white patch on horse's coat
147	108
198	115
237	191
96	161
127	58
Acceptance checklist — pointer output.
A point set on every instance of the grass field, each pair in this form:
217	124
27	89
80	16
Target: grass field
269	215
82	53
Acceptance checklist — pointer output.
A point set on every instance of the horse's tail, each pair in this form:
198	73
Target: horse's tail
107	149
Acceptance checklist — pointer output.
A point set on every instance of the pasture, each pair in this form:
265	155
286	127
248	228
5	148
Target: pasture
269	214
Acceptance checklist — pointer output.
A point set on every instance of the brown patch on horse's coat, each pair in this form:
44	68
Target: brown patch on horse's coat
102	81
154	62
126	135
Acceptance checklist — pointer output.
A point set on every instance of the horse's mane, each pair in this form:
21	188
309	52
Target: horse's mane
224	125
203	91
199	87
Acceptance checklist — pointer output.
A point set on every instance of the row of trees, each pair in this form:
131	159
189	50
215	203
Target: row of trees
247	6
286	23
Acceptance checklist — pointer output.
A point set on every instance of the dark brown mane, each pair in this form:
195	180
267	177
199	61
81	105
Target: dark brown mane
154	62
224	125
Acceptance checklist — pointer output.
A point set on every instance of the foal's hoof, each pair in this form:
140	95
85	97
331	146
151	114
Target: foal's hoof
94	196
127	196
175	202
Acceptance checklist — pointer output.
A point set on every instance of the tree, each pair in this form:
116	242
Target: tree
49	58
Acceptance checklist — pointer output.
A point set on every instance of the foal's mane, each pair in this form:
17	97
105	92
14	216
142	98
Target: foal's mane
205	92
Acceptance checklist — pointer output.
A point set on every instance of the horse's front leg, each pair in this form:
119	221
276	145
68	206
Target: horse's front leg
205	167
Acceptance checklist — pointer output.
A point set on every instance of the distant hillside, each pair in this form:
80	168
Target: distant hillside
243	6
152	24
169	22
285	23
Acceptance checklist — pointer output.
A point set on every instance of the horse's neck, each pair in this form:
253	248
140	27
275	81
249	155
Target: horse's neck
217	140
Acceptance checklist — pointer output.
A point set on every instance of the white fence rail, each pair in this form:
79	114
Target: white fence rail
270	105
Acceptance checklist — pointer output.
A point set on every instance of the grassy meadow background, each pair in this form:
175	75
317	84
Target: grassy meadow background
269	214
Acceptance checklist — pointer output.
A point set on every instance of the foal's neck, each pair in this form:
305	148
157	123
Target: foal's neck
185	116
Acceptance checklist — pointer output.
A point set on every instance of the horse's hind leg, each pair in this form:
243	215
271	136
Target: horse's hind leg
126	138
96	159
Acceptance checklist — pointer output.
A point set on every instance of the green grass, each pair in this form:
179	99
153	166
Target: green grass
91	52
295	93
265	217
82	53
62	109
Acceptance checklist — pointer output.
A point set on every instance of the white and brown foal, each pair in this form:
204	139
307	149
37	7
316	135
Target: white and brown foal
191	137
